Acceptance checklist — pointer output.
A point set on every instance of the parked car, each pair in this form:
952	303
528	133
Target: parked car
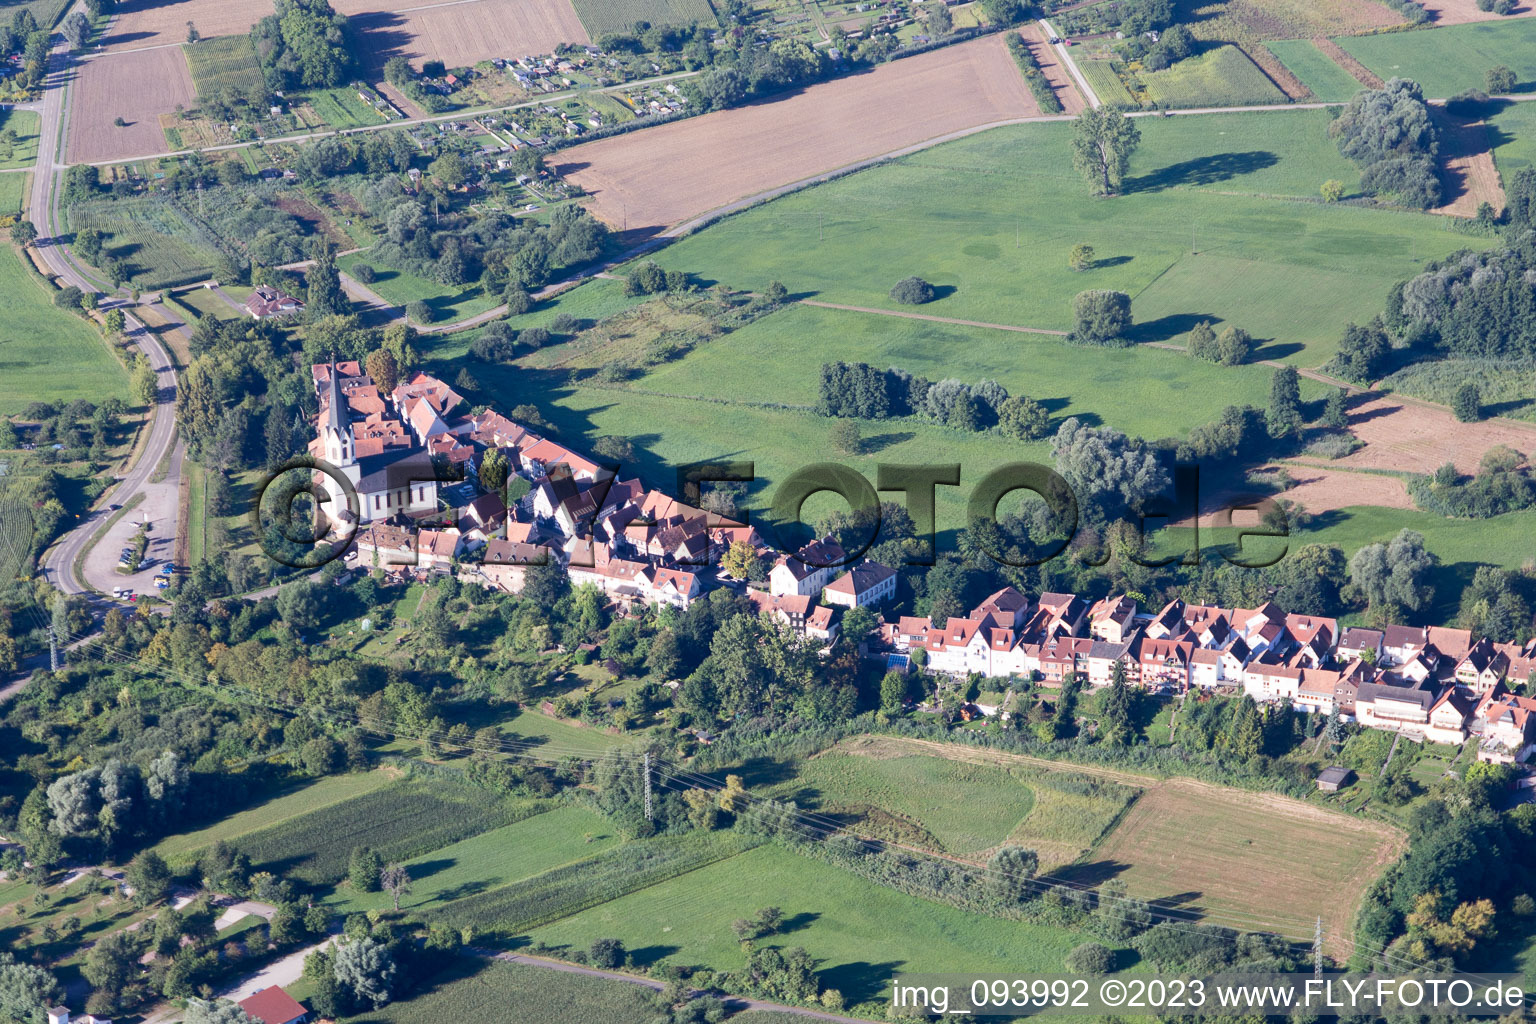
161	583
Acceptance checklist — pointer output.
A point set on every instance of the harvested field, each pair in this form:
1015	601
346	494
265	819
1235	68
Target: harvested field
1466	169
465	32
142	23
1415	438
1461	12
1318	489
660	177
1226	852
1050	65
137	87
1201	847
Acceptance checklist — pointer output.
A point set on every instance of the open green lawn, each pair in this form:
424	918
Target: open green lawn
22	152
333	789
960	808
1223	77
750	395
341	108
1317	71
485	990
37	340
1514	138
494	858
593	300
991	219
448	304
1448	60
554	734
861	933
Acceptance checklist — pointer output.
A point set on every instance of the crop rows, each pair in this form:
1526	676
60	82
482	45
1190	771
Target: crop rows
225	65
159	245
399	821
566	890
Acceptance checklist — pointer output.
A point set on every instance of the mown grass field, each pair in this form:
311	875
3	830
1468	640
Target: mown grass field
491	859
957	808
1223	851
1317	71
557	735
1223	77
333	789
1514	138
599	16
159	246
1448	60
23	152
340	108
861	933
225	65
997	246
36	339
403	820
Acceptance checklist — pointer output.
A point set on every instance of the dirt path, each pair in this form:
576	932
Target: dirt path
1362	74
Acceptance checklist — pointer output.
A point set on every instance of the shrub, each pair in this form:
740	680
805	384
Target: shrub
365	273
518	302
1500	79
1202	342
1081	257
1333	190
912	291
1101	317
534	337
1468	403
1234	346
420	312
845	437
1471	103
1090	958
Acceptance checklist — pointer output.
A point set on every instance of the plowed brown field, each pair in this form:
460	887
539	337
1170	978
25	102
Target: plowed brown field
138	87
461	32
142	23
662	176
1460	12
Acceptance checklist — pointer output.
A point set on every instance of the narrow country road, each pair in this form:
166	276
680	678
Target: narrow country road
43	209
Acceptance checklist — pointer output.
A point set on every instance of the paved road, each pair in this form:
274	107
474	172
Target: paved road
1071	65
43	209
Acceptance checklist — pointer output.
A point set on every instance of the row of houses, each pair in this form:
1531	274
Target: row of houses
641	547
1426	682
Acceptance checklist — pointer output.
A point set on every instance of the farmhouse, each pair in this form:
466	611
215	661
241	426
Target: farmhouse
267	302
274	1006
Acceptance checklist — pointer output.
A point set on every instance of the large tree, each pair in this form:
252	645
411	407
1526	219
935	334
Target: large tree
1395	574
1102	142
365	971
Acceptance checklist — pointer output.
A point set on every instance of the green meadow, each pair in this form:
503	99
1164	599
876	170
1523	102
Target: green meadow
1449	60
36	339
1317	71
1220	220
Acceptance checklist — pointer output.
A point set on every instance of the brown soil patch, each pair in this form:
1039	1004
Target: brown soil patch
464	32
1460	12
1278	72
1416	437
1321	489
1466	170
657	178
1362	74
1201	847
138	87
142	23
1055	72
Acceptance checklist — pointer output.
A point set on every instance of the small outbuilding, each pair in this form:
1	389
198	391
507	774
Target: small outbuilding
1333	778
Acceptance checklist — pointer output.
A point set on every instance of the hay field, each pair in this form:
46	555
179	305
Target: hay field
463	32
1229	852
1224	851
663	176
138	87
142	23
1462	12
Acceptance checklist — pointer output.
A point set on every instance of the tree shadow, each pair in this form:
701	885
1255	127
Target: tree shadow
860	981
647	955
1205	170
428	868
1092	873
1269	348
1111	261
799	921
1166	328
879	442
